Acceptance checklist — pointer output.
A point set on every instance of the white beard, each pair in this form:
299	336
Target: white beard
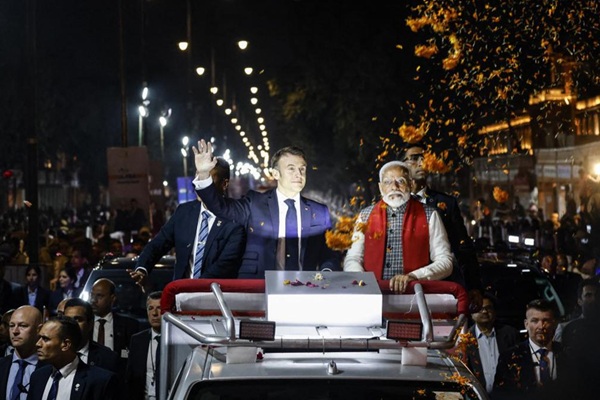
395	199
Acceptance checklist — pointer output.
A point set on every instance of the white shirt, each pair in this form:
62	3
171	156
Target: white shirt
439	252
109	340
151	372
211	221
65	383
283	208
488	353
535	357
84	352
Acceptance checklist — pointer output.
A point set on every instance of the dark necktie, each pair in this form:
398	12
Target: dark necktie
15	391
291	237
155	357
544	367
101	323
202	236
54	388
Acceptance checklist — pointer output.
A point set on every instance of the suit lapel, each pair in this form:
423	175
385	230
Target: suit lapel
213	233
79	381
192	225
273	207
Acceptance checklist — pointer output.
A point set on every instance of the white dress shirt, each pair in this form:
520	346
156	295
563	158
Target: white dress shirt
283	208
65	383
151	372
109	340
211	221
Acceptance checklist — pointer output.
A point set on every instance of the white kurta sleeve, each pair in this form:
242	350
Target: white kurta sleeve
439	252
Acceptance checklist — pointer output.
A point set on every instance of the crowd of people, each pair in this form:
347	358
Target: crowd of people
85	351
412	233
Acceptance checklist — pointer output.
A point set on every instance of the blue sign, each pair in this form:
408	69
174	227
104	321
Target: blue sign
185	190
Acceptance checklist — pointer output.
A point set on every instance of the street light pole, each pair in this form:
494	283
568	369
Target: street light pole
163	120
184	152
143	113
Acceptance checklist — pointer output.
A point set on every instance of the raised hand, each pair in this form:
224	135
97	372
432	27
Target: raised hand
203	159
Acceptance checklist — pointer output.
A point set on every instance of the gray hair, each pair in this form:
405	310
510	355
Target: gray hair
392	164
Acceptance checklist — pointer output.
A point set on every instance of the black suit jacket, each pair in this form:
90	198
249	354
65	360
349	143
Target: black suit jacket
136	365
506	337
90	383
103	357
515	373
42	298
461	244
5	364
124	327
259	213
223	250
6	296
56	296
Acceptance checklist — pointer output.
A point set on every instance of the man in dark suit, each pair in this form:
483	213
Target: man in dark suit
32	291
222	251
7	250
111	329
489	340
90	351
285	230
529	369
466	271
143	362
16	369
66	376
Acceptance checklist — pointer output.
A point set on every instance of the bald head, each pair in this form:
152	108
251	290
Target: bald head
103	296
24	326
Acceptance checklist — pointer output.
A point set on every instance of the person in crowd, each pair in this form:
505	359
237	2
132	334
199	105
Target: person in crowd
399	238
7	251
32	293
135	217
466	266
581	349
5	345
565	282
217	255
144	355
529	368
285	230
16	368
90	351
112	330
587	295
66	288
66	376
81	266
492	339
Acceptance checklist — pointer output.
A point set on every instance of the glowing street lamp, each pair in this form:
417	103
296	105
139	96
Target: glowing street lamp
163	120
184	152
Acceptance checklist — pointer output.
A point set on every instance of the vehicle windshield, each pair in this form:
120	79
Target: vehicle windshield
323	389
514	288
